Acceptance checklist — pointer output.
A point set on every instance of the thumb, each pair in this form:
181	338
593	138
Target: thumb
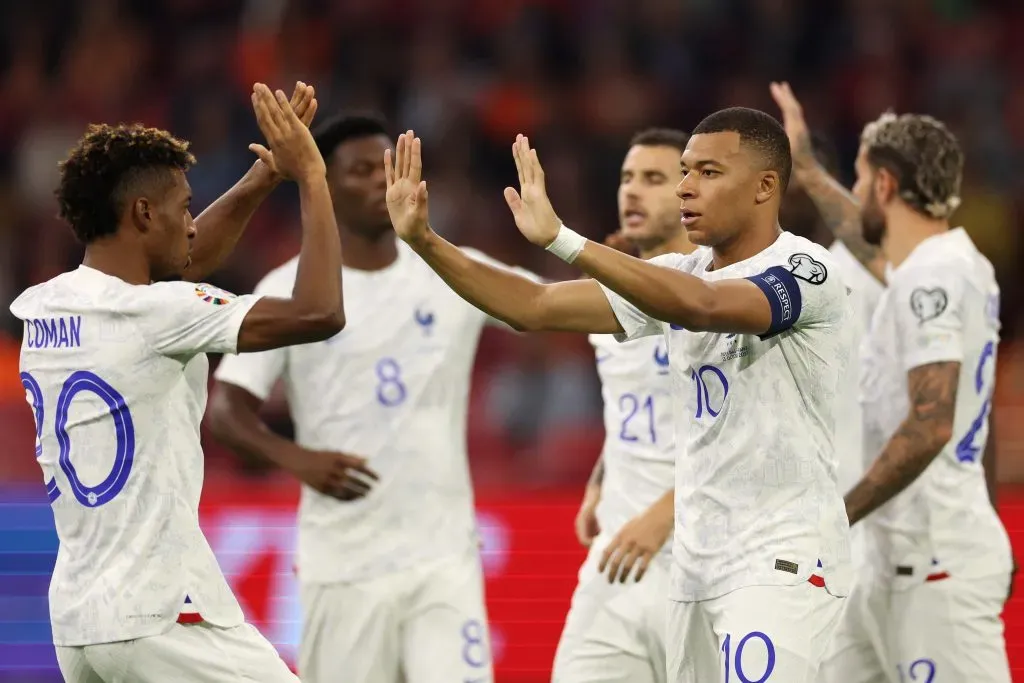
421	193
514	201
263	153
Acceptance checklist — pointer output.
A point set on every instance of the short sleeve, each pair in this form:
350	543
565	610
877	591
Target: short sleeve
635	323
184	318
804	291
257	373
495	263
928	315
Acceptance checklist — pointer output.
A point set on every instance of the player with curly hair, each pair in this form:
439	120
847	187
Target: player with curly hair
927	603
114	366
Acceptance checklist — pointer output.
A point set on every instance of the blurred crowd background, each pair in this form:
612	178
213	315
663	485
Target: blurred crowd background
578	76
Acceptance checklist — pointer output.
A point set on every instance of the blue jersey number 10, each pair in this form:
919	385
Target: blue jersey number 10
124	432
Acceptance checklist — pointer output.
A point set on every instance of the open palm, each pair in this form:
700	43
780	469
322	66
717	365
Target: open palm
303	103
407	191
531	207
794	122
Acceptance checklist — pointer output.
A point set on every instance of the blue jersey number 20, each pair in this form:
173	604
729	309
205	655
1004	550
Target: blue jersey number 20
124	432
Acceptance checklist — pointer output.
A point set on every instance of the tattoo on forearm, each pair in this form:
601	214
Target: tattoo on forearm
841	214
915	444
597	476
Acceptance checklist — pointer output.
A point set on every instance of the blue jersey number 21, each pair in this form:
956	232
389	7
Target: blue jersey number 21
124	432
634	407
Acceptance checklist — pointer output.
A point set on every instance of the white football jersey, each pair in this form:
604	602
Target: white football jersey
756	495
392	387
116	375
639	439
941	304
865	291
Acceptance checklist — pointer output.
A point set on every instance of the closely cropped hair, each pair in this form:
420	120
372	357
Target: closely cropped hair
103	165
757	130
332	133
661	137
923	155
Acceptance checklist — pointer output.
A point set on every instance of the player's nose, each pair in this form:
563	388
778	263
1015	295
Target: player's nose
685	189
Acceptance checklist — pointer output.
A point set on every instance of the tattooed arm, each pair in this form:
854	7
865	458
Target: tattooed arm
838	208
924	432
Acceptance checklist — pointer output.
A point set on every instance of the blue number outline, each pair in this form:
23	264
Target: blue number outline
393	378
966	450
648	406
32	386
738	658
923	661
703	395
469	640
124	430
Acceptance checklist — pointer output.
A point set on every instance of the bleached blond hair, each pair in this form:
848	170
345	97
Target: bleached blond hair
923	155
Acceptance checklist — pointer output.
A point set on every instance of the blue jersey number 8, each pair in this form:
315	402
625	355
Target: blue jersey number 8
124	432
391	390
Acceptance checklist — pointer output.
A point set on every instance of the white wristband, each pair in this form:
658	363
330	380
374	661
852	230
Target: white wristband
567	245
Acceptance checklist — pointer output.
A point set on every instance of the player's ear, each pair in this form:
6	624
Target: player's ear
768	187
143	213
885	186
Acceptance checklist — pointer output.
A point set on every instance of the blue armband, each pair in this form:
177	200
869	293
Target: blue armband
783	293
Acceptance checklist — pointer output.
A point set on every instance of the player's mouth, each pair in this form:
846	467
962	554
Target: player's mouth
633	218
687	217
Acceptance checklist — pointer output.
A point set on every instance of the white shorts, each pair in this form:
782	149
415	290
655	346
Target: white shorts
858	653
198	653
615	632
758	634
950	630
422	625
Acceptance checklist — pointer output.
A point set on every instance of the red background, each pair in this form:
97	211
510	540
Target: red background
530	553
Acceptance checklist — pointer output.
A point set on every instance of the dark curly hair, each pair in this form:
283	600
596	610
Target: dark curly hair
107	162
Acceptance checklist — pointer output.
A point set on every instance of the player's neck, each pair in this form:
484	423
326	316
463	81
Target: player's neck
109	257
676	245
747	244
362	253
906	231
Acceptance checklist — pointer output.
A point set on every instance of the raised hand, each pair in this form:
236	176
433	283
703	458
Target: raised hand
407	191
295	154
794	123
304	103
531	208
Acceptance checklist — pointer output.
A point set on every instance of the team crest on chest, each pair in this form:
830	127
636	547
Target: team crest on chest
424	319
213	295
661	358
